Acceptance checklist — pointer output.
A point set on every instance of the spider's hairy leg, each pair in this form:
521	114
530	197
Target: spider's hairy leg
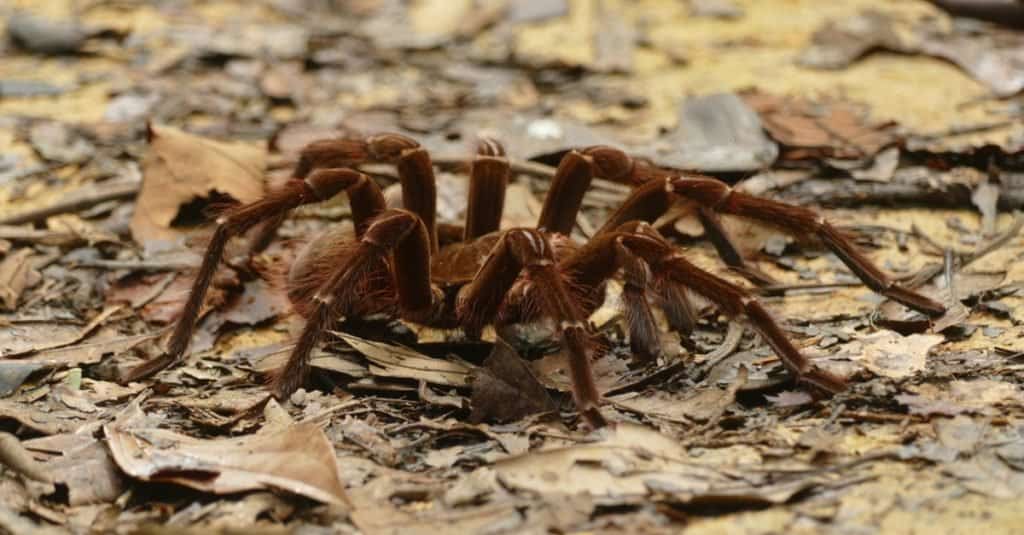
665	261
565	196
419	188
351	152
727	250
528	250
488	179
800	222
318	186
333	154
394	232
652	197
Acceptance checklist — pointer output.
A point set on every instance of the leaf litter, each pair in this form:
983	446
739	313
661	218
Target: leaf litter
410	429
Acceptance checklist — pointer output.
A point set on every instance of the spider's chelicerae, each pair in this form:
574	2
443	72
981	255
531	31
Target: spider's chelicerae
396	263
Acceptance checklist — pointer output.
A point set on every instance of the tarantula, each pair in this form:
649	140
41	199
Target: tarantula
397	261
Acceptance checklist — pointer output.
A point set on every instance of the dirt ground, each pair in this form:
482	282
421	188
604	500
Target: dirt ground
125	125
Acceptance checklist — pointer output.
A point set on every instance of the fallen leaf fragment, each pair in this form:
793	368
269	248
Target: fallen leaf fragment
820	129
89	473
720	132
14	456
888	354
298	458
182	167
16	274
78	336
992	57
982	396
708	404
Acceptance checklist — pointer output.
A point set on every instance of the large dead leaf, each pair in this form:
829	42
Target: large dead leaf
297	458
181	167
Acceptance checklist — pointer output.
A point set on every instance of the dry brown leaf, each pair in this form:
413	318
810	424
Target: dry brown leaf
55	342
180	167
89	473
297	458
817	129
976	395
505	389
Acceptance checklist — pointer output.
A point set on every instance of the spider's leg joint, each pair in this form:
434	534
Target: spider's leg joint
389	147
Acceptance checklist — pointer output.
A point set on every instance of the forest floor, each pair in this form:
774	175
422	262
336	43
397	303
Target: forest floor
124	123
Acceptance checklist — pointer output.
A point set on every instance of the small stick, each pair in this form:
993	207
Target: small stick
80	199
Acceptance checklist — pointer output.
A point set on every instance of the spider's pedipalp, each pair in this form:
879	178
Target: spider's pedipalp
527	252
644	338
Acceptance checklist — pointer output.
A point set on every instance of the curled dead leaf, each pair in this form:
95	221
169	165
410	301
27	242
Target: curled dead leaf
181	167
297	458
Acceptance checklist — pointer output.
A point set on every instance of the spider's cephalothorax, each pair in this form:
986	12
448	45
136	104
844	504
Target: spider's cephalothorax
395	263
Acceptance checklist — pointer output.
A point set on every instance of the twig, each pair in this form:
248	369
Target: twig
732	341
136	265
853	193
929	271
80	199
780	289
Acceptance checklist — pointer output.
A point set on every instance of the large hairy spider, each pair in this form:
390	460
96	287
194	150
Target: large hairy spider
395	262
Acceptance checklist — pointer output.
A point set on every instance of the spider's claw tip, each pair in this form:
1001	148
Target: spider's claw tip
593	417
823	382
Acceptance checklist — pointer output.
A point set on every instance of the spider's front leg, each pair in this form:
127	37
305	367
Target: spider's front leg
397	239
319	185
528	251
